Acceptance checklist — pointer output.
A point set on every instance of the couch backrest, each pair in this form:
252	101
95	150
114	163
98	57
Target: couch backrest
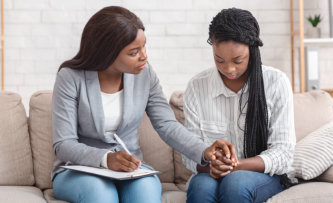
311	110
15	152
40	129
156	152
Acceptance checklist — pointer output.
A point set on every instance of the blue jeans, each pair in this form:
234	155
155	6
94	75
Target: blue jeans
239	186
77	187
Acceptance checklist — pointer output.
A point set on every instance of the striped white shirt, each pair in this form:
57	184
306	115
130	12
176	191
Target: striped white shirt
212	112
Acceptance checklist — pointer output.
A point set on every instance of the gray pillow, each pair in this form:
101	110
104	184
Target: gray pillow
314	154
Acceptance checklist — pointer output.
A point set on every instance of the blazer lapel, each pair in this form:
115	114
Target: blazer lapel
128	101
95	100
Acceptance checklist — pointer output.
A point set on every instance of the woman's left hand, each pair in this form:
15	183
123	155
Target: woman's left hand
219	168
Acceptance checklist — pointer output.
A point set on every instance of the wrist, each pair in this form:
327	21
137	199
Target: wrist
239	166
204	161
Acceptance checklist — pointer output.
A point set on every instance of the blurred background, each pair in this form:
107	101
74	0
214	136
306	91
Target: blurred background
40	34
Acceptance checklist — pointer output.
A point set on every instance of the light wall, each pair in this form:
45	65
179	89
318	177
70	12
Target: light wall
41	34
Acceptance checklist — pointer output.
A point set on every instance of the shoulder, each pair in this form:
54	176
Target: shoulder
274	77
276	83
70	73
202	77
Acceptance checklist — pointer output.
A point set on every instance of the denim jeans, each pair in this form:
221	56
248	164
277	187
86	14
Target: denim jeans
77	187
239	186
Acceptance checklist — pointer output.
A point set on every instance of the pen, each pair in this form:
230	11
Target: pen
121	143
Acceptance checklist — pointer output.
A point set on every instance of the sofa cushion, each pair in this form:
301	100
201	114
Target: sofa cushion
173	197
19	194
312	110
314	154
40	128
305	193
327	176
50	198
155	151
15	152
182	174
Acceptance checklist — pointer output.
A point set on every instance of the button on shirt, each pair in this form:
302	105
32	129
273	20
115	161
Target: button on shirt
212	111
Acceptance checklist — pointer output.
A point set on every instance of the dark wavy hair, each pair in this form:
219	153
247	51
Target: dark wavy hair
106	33
241	26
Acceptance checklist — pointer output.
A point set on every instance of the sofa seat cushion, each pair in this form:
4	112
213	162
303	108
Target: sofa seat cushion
50	198
174	197
15	151
19	194
305	193
169	187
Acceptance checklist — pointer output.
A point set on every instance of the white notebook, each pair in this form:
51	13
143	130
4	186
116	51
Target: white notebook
112	174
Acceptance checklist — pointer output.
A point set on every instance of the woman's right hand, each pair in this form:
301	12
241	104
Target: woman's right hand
222	165
220	168
122	161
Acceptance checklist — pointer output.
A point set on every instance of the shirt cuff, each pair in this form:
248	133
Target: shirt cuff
204	162
267	162
104	162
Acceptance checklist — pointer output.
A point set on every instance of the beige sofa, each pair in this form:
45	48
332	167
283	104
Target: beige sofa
26	154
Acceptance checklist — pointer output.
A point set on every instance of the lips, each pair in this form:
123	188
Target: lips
231	76
142	66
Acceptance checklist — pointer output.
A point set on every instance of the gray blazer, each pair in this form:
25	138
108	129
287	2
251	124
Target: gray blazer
78	118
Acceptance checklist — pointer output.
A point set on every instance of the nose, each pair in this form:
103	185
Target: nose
143	54
229	68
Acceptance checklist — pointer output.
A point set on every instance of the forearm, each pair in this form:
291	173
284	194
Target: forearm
251	164
79	153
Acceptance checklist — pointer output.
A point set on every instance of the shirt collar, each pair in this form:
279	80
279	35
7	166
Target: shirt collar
218	87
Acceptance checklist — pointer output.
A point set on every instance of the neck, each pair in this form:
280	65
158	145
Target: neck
110	82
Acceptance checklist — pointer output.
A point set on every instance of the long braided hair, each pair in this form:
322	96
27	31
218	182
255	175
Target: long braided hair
240	25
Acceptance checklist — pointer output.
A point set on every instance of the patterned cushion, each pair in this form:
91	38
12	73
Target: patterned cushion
314	154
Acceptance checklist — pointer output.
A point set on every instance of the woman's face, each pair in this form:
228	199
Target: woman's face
133	57
231	59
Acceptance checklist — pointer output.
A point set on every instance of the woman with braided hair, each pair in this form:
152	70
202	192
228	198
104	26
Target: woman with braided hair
247	104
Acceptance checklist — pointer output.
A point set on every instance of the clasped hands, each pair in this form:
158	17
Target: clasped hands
222	159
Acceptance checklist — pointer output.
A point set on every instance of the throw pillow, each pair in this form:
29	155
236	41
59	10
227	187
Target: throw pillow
314	154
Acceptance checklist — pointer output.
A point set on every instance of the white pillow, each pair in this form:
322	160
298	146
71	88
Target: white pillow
314	153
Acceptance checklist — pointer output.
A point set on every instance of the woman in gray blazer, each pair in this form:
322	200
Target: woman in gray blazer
103	92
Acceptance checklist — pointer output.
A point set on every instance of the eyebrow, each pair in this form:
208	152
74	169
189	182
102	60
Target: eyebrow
233	58
137	47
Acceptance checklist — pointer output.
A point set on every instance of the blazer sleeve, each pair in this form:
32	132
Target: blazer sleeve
166	125
192	121
65	121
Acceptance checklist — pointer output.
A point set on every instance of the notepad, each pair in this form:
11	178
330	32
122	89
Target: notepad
112	174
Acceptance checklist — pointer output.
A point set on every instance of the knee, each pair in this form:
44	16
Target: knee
96	189
146	190
237	180
236	185
202	188
202	182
